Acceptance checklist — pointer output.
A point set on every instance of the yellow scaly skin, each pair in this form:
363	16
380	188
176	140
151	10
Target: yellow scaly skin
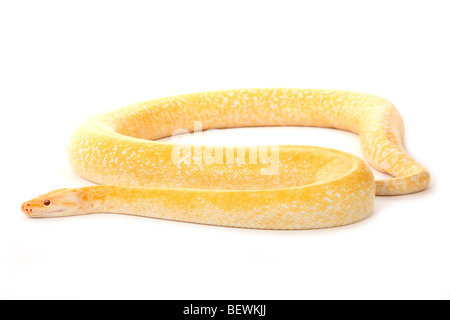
313	187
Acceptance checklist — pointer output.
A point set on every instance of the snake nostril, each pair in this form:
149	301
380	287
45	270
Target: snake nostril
26	208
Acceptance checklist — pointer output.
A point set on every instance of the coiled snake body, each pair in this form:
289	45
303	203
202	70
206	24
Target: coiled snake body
310	187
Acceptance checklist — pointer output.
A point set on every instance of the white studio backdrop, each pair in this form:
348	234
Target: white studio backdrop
62	62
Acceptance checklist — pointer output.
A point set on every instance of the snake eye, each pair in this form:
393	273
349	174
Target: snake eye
46	203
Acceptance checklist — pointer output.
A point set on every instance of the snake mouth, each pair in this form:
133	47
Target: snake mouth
33	212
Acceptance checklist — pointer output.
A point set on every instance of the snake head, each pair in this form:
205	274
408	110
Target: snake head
58	203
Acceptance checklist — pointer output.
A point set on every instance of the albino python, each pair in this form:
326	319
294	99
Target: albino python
309	187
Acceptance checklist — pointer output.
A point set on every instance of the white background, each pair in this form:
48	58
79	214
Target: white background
62	62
